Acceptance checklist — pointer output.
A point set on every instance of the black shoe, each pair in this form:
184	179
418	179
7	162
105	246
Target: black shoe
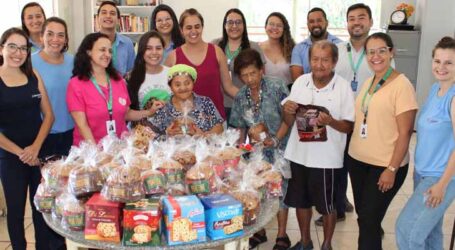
349	207
257	239
320	222
300	246
285	243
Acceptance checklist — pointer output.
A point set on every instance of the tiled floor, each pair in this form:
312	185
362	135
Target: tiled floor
346	232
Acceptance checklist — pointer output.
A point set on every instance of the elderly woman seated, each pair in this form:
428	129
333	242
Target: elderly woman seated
186	112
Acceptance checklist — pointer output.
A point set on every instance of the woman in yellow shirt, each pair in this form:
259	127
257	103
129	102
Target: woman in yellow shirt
378	162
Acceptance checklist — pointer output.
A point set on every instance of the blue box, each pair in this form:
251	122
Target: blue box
223	216
184	220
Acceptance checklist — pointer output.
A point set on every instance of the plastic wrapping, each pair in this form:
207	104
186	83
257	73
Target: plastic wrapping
73	214
142	135
257	162
200	179
184	152
251	204
258	130
185	123
57	209
153	180
44	198
124	184
85	179
55	173
172	170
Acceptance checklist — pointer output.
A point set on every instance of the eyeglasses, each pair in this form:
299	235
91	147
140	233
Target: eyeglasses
275	25
163	20
12	48
231	23
379	51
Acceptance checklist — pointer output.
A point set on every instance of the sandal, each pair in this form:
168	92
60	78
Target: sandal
257	239
285	240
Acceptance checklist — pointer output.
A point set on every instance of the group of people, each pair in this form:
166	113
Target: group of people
50	100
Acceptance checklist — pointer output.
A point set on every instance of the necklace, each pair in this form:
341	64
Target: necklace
255	106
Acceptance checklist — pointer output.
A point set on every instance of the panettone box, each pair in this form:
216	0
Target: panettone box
223	216
141	223
102	219
183	219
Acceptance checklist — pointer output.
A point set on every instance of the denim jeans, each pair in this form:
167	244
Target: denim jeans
419	226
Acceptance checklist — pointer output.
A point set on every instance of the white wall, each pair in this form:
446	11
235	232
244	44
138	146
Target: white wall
212	10
436	20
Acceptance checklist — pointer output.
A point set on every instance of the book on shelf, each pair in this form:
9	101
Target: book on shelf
132	2
128	23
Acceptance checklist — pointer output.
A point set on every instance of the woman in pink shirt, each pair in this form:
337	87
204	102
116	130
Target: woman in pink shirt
97	96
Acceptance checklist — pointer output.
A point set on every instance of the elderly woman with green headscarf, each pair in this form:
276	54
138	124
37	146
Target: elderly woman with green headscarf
186	112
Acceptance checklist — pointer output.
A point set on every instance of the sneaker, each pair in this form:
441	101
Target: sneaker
320	222
299	246
349	207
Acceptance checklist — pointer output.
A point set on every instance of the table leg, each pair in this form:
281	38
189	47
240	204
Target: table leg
244	244
241	244
71	245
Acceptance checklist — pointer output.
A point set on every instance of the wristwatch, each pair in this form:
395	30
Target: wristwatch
392	169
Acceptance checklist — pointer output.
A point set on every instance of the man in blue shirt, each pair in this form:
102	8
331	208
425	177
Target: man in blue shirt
317	26
123	54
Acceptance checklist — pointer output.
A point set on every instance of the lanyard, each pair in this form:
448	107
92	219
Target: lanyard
108	102
230	55
359	61
365	105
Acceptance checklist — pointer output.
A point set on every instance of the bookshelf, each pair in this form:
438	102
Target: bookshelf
134	17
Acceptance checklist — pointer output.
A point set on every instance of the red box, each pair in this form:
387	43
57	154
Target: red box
102	219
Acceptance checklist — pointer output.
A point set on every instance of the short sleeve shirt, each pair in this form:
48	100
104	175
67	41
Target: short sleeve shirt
204	114
274	90
83	96
338	98
125	54
300	53
395	98
154	82
344	68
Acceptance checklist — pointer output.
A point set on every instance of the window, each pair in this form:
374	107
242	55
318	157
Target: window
256	12
11	12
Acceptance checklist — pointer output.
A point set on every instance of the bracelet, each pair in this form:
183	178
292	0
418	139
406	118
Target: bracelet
276	141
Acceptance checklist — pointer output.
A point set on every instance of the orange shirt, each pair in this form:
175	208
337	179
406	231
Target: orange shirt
397	97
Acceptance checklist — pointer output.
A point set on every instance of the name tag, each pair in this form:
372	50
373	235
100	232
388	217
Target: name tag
110	127
354	85
363	130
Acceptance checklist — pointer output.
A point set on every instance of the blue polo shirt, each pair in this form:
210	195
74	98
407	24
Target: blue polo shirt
125	54
300	53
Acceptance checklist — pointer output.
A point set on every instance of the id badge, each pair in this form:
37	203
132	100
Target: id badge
354	85
110	127
363	130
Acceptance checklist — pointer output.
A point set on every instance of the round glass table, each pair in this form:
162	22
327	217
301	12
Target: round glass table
269	209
